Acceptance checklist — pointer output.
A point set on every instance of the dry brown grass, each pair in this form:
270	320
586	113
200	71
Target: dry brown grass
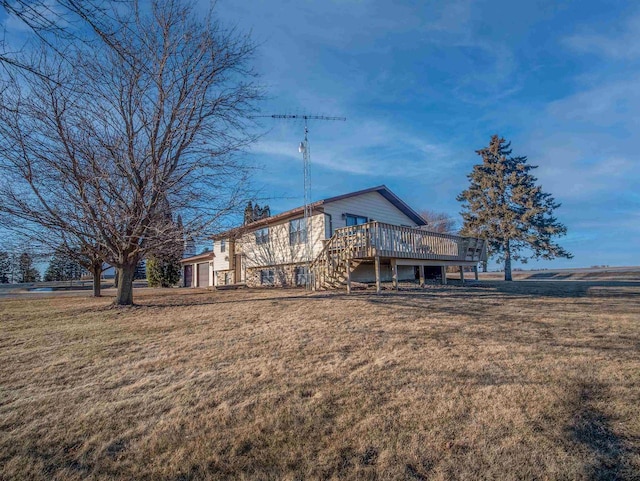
529	381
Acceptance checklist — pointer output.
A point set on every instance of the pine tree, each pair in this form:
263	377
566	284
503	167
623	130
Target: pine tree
504	205
249	213
163	266
163	272
63	266
54	271
253	213
140	271
5	267
26	271
154	272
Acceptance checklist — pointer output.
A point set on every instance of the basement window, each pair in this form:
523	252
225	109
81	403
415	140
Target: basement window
301	273
266	277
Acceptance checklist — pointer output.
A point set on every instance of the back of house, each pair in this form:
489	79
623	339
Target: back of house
347	232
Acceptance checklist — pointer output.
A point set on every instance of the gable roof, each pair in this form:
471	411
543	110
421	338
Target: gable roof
316	207
384	191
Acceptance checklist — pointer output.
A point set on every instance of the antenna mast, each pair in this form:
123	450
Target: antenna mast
306	162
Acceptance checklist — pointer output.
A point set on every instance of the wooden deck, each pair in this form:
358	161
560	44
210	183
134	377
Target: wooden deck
377	239
399	244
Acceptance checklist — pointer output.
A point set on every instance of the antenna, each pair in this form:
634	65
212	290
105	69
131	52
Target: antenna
304	149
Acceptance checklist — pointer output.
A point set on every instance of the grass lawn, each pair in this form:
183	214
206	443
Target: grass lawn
534	380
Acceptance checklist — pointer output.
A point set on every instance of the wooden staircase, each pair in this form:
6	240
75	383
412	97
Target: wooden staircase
333	266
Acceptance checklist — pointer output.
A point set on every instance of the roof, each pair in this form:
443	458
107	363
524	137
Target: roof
206	256
383	190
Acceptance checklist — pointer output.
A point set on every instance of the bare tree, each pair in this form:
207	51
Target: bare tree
50	21
106	132
439	222
43	241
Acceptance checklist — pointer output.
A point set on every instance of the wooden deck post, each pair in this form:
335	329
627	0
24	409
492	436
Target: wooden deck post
377	268
443	270
475	271
394	268
421	275
348	263
462	275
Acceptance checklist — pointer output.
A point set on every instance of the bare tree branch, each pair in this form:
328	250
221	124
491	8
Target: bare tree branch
109	131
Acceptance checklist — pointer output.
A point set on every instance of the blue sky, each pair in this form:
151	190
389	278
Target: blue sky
425	84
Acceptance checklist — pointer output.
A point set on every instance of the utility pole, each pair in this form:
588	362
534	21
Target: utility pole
306	162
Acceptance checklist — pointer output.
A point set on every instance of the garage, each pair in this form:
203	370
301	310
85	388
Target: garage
196	270
203	274
188	275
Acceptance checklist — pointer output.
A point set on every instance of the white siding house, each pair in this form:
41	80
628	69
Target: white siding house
371	205
369	235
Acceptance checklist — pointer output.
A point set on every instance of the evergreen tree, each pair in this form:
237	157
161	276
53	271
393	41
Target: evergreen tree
163	266
54	270
26	271
5	267
249	213
253	213
154	272
163	272
504	205
141	270
63	266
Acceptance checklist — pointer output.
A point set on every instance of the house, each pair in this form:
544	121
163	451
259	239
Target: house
365	236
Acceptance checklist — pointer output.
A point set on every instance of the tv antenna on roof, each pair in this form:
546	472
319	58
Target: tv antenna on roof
306	161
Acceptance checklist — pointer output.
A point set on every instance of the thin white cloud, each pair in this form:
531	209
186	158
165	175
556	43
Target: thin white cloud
369	148
586	142
622	45
602	105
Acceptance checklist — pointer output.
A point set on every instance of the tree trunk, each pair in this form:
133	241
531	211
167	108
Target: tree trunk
484	266
125	276
507	262
115	277
96	271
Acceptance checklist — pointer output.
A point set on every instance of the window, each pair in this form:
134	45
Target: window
328	226
297	232
301	276
355	219
262	236
266	277
223	245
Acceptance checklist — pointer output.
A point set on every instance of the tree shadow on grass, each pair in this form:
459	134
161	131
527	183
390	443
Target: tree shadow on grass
591	429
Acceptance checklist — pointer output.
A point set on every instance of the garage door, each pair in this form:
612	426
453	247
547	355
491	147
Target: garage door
203	274
188	275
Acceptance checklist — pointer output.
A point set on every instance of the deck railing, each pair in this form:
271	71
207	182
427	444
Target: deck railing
386	240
